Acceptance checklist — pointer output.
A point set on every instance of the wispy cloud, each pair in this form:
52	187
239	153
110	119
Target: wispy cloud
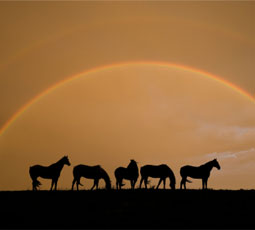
227	131
230	154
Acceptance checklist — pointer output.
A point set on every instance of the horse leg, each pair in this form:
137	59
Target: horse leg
135	180
56	183
164	182
34	185
131	183
95	184
74	180
160	180
146	182
141	181
183	183
120	183
204	181
52	183
77	185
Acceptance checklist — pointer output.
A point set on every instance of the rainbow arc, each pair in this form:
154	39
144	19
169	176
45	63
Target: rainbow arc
59	84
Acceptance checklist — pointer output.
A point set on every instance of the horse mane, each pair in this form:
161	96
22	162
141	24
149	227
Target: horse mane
208	163
61	159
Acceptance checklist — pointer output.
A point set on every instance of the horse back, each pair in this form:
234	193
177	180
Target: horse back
126	173
119	172
193	171
42	171
155	171
90	172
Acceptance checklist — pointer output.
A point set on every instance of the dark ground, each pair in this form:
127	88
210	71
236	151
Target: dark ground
128	209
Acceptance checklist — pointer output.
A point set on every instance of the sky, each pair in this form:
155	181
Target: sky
105	82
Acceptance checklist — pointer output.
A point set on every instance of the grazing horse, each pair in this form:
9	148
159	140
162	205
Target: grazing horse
200	172
48	172
90	172
157	171
130	173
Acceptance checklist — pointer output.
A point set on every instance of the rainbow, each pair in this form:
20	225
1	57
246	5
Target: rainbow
59	84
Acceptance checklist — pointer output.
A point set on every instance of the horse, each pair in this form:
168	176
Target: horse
200	172
90	172
157	171
130	173
48	172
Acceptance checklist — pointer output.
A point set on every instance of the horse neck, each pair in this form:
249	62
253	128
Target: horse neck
209	165
171	176
106	177
132	166
59	164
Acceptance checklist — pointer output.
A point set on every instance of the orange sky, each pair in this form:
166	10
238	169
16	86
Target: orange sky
154	114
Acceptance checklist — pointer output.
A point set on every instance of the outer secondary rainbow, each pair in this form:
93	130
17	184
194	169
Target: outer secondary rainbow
54	87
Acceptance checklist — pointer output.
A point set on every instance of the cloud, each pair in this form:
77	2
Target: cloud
227	131
231	154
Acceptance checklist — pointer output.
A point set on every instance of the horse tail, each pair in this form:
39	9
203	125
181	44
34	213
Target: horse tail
30	172
36	183
188	181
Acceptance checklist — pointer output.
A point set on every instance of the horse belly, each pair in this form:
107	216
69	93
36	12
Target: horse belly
190	171
152	171
155	175
195	175
44	172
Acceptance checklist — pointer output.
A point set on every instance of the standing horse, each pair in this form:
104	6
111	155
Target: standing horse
200	172
130	173
90	172
157	171
48	172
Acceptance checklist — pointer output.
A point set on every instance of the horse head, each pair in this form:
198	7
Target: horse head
172	185
108	185
133	162
66	160
216	164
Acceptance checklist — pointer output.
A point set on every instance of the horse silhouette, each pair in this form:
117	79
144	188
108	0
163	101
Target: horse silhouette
157	171
48	172
200	172
90	172
130	173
